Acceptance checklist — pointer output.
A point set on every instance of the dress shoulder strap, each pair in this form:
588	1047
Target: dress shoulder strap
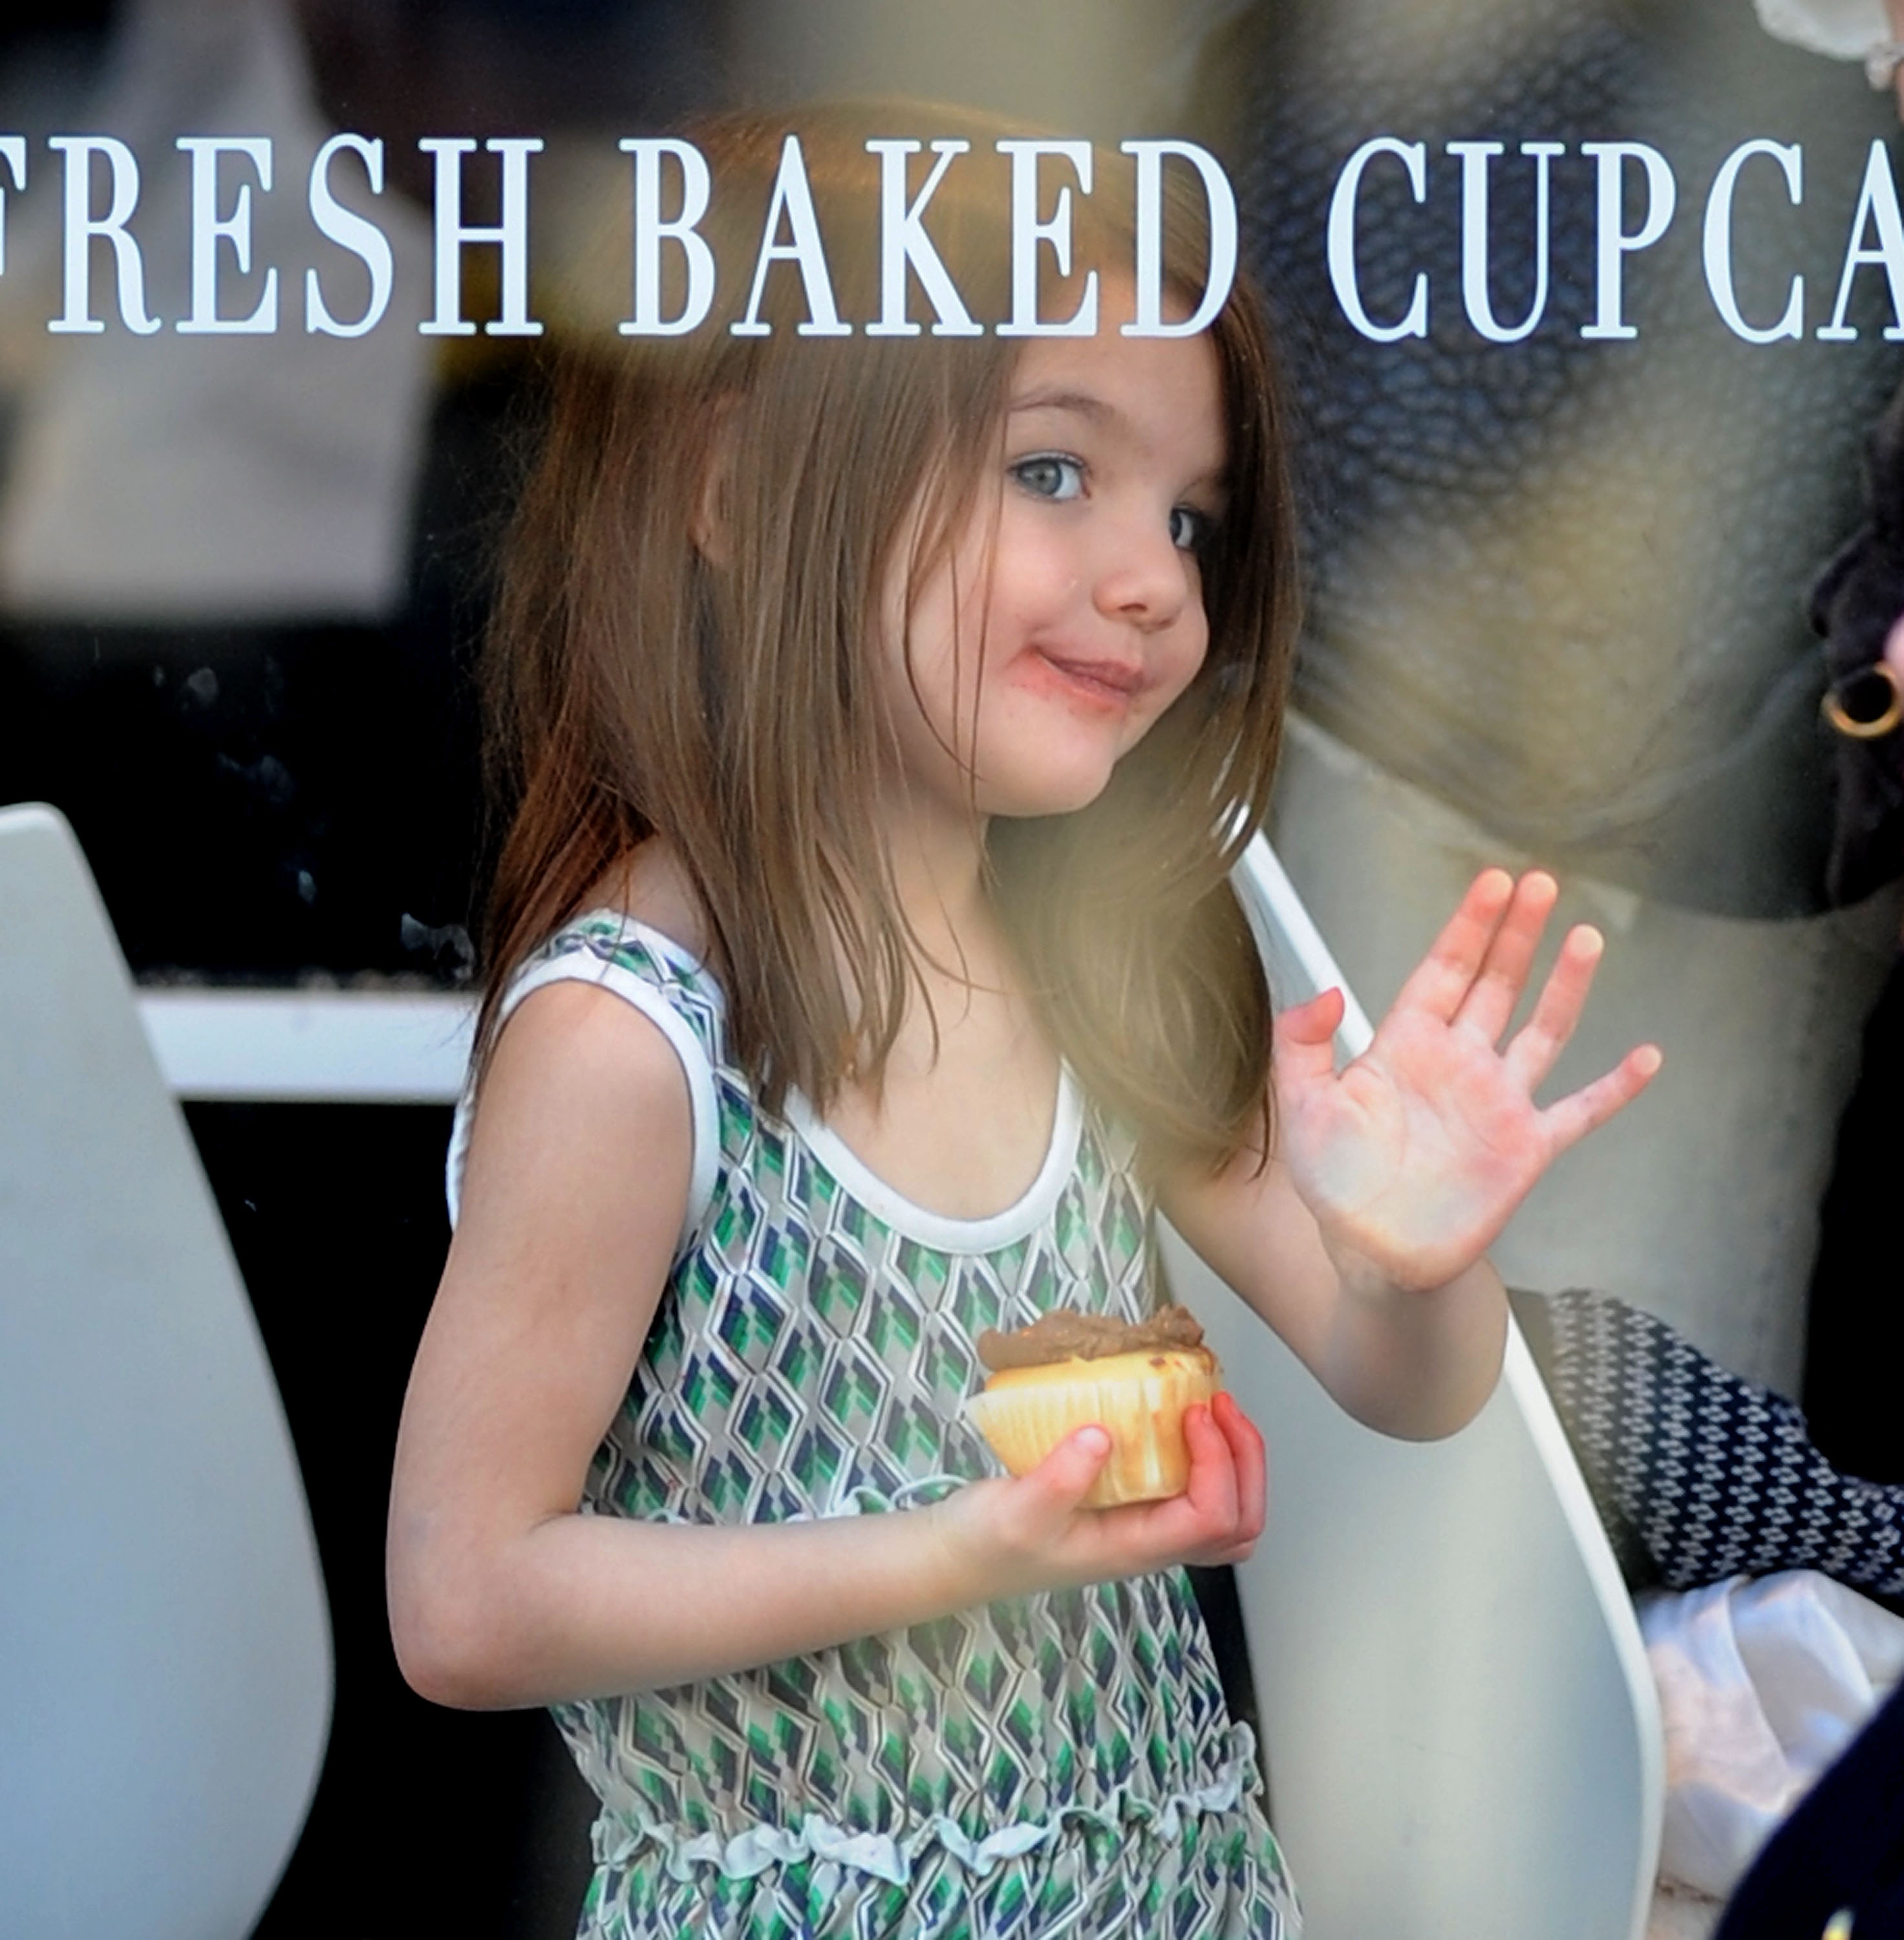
670	986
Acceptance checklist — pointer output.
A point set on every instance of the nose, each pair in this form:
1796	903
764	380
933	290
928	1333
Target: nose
1145	579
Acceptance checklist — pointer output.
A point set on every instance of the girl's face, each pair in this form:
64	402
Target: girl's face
1070	614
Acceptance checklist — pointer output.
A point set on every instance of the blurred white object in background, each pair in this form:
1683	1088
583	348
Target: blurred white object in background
312	1046
1844	29
1763	1682
169	477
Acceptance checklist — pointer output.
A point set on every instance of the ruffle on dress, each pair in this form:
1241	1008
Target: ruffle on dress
620	1835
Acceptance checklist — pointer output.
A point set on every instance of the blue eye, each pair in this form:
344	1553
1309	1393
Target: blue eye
1050	475
1190	530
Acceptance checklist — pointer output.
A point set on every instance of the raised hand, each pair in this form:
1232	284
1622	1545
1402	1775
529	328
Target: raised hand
1413	1157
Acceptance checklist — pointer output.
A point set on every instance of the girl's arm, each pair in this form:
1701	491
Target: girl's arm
1415	1362
1363	1240
501	1594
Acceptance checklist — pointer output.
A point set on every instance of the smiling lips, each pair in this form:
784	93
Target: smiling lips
1112	684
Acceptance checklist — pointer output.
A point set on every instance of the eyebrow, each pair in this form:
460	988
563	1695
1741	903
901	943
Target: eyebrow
1098	411
1084	403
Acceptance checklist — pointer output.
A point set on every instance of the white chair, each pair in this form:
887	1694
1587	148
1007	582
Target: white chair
164	1651
1463	1737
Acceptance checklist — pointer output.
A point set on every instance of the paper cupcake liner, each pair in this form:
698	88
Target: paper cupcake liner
1142	1408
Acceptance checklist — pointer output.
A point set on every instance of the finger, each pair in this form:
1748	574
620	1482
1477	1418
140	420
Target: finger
1212	1485
1247	1450
1535	1049
1568	1120
1064	1477
1441	979
1305	1040
1496	990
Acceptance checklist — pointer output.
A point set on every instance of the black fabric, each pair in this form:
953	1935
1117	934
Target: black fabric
1853	604
1854	1325
1841	1850
1697	1474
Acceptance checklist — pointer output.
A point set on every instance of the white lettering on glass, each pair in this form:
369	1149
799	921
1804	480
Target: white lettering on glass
1877	203
1613	243
209	229
793	195
1147	319
510	235
351	231
650	232
12	152
81	228
1474	156
1028	232
1414	157
903	244
1718	244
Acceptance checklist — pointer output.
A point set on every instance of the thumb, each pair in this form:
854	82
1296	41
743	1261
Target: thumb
1305	1038
1065	1475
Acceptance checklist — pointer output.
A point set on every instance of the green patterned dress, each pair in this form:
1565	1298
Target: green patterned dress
1057	1765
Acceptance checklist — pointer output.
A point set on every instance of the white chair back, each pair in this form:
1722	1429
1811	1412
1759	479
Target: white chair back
165	1649
1463	1737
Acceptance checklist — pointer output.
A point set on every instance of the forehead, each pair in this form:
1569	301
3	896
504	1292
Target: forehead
1161	397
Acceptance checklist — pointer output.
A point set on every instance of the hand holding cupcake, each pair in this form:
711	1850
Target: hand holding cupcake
1069	1370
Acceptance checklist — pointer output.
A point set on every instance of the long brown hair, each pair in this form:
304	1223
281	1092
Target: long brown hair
635	688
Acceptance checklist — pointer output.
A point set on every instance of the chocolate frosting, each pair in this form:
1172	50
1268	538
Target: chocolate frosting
1063	1335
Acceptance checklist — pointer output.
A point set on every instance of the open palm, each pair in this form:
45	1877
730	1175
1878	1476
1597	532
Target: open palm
1413	1157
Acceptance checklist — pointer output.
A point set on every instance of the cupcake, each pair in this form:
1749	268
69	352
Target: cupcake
1133	1378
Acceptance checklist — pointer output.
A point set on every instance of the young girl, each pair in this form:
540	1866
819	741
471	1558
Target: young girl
887	711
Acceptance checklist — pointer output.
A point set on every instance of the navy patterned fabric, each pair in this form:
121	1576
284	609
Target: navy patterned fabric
1698	1475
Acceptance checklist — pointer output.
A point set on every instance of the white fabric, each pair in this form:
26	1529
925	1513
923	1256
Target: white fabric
176	479
942	1230
1763	1682
1844	29
748	1854
581	968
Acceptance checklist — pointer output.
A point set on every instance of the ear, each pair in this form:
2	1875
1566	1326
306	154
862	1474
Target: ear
710	524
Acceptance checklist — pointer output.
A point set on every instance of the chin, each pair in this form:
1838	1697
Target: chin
1062	792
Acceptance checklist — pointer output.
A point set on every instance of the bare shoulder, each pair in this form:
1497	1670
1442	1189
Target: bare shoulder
580	1081
582	1141
652	884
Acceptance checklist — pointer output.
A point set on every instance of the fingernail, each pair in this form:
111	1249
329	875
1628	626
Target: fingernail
1650	1058
1094	1440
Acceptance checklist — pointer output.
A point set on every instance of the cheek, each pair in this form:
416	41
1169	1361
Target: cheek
1187	659
1174	676
1032	579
